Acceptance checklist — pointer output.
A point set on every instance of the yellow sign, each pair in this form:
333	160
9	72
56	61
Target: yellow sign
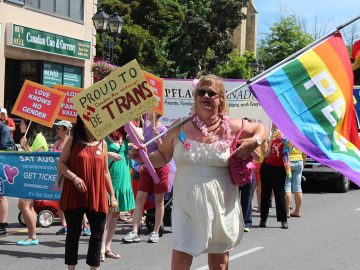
114	101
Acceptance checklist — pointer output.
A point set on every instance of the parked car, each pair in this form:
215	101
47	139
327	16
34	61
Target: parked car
318	171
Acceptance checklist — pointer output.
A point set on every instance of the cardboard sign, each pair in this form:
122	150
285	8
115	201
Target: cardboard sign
114	101
38	103
67	110
157	86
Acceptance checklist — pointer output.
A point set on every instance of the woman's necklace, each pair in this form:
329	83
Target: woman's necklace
92	143
225	141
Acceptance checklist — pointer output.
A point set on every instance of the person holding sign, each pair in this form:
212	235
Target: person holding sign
34	141
147	185
206	211
84	164
119	167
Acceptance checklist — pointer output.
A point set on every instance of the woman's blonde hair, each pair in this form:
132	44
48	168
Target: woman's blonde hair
218	83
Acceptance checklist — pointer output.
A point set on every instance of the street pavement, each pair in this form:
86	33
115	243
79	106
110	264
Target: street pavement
325	237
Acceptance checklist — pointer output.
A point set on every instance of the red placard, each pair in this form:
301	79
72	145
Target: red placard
157	86
67	110
38	103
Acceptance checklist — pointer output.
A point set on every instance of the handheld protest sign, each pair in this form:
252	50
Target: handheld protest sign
142	153
114	101
67	110
157	86
38	103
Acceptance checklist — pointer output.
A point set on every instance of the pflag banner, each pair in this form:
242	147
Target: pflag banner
310	99
356	55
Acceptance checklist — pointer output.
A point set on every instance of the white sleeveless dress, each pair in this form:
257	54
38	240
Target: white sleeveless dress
206	215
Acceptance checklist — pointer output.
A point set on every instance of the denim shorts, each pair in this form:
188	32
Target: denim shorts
293	184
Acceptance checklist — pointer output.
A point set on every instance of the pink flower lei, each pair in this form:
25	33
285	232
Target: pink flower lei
226	139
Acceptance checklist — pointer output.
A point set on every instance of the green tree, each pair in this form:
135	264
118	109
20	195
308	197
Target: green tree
237	67
175	38
284	39
203	41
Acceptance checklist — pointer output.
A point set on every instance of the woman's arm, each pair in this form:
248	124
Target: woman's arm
252	136
138	132
64	169
108	182
164	154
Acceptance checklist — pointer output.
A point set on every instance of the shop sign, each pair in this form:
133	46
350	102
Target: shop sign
52	74
33	39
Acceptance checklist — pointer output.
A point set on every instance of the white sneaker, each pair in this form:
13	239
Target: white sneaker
131	237
153	237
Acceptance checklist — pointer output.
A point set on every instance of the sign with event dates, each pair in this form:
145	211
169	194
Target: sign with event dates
67	110
38	103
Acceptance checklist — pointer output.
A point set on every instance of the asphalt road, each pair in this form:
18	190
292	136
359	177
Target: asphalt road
325	237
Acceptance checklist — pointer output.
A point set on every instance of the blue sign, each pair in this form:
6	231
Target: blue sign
29	175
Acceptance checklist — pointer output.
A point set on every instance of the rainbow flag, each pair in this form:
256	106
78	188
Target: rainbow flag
310	99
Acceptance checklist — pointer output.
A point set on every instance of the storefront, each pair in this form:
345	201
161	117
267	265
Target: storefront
22	39
47	44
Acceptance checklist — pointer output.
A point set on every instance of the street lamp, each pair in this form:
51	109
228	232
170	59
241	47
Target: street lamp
104	23
257	67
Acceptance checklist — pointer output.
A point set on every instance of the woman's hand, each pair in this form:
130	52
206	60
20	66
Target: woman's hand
114	156
245	148
79	184
24	143
156	133
134	152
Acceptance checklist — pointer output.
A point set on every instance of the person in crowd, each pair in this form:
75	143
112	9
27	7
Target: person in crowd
6	141
206	203
246	203
273	175
84	164
34	141
62	130
246	200
119	167
293	183
7	144
4	211
147	185
7	121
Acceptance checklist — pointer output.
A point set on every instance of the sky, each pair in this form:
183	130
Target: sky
329	13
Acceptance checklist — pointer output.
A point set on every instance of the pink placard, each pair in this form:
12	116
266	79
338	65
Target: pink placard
142	153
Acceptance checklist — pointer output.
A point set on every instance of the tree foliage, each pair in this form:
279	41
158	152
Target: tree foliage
237	67
175	38
284	39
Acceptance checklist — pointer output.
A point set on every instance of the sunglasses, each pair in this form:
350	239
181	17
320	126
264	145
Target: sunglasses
201	92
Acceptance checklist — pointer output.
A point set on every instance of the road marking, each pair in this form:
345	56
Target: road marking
233	257
357	209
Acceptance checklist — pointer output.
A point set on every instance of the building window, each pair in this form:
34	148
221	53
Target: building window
20	2
47	5
69	9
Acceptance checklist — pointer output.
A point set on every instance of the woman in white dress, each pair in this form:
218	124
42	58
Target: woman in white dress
206	212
